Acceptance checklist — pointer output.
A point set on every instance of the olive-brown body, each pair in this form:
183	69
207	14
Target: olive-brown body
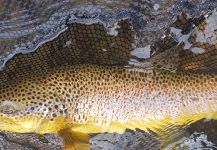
91	94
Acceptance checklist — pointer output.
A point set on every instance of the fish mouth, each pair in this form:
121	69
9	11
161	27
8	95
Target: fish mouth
33	123
22	124
10	124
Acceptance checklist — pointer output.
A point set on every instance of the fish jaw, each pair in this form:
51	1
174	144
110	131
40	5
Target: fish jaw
33	123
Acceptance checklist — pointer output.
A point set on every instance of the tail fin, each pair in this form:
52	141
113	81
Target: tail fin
74	140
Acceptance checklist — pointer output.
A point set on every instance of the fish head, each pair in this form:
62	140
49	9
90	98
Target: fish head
27	111
13	115
17	117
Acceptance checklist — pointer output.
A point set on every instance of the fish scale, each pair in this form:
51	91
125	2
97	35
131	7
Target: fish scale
93	99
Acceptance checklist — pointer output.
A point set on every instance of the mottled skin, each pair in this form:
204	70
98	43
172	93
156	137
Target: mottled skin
97	95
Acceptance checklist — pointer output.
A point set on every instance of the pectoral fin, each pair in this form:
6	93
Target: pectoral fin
74	140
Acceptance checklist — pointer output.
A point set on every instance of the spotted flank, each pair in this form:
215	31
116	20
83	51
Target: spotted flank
77	100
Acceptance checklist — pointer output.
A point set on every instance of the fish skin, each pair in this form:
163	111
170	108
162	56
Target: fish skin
84	99
91	94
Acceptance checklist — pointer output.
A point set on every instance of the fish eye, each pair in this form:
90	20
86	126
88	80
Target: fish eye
8	107
7	111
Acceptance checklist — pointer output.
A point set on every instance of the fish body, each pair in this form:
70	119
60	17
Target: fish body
93	99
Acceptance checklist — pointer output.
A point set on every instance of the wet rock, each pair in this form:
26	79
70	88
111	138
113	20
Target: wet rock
130	140
29	141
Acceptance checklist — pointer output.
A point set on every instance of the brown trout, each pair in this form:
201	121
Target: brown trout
77	100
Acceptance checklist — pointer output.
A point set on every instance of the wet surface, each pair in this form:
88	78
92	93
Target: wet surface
29	141
188	39
199	135
26	25
174	34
